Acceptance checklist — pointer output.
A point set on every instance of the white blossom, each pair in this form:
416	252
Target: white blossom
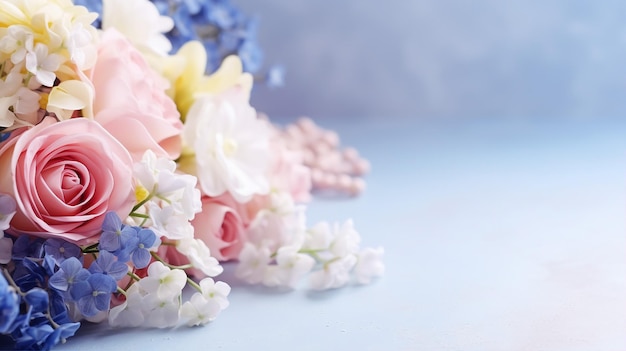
130	312
282	224
253	262
216	291
290	267
170	222
145	31
231	147
43	65
346	239
334	274
164	282
199	256
161	311
369	265
18	41
199	310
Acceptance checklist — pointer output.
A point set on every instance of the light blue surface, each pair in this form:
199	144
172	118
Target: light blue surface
499	235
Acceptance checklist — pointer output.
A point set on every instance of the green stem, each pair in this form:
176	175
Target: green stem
312	253
139	215
122	291
194	284
134	276
171	266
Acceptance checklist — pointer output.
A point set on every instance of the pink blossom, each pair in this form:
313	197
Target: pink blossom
288	173
64	177
130	100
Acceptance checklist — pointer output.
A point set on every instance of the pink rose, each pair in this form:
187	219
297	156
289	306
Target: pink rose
221	227
64	177
130	100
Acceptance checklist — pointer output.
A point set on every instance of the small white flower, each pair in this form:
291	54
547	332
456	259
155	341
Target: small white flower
290	267
252	263
166	283
369	265
334	274
129	313
318	237
346	240
161	311
18	42
199	310
170	222
42	65
199	256
216	291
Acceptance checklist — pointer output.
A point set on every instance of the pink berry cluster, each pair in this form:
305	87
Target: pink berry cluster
335	171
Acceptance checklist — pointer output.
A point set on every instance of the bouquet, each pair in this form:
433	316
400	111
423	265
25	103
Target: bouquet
132	165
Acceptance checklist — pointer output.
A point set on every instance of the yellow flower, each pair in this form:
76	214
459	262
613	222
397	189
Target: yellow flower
186	73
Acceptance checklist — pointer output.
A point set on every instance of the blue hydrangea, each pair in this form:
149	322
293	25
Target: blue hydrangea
107	263
61	250
9	305
94	294
70	272
139	252
114	234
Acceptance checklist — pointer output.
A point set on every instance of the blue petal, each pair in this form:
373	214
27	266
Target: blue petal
80	289
87	306
38	299
141	258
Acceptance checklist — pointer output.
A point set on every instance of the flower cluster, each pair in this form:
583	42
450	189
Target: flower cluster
219	25
129	173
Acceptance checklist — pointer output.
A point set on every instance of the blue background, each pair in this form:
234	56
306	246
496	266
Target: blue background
444	58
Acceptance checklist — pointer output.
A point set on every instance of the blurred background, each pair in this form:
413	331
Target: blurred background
444	59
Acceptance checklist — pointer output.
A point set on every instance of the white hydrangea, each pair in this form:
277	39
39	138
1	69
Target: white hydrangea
231	147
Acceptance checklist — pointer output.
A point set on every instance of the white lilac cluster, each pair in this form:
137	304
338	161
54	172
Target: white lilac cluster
281	251
155	300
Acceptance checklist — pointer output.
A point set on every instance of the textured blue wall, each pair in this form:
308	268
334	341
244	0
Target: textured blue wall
444	58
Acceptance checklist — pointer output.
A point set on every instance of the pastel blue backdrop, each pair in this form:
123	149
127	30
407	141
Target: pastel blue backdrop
444	58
